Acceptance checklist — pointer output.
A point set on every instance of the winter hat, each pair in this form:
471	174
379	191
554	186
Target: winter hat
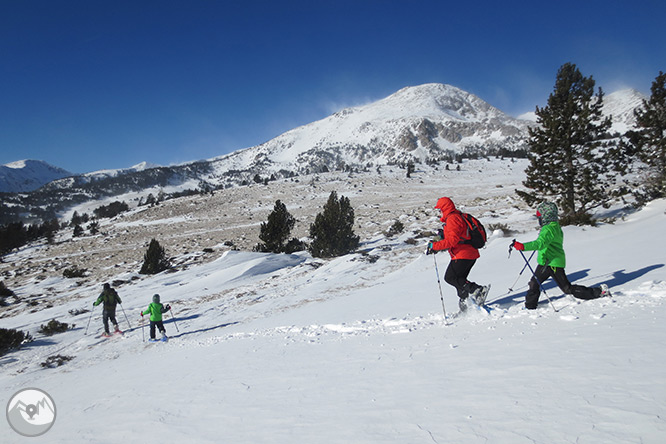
156	298
547	213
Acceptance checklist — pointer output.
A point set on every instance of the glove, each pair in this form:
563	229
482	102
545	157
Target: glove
429	249
440	234
141	314
168	307
518	246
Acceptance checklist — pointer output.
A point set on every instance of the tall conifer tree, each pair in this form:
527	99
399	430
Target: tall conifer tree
275	232
155	259
333	229
569	162
649	141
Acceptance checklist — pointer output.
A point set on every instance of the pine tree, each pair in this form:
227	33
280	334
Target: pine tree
333	229
275	232
78	230
569	161
649	141
155	260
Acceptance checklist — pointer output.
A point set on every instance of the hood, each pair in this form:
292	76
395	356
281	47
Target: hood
547	213
446	206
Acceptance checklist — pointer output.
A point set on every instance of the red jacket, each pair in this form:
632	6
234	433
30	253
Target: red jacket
455	230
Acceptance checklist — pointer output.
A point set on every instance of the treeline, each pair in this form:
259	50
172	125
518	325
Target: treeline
18	234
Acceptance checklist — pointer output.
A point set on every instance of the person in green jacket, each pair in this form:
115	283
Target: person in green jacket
110	298
552	260
155	310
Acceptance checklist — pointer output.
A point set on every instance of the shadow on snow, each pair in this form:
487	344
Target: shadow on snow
619	277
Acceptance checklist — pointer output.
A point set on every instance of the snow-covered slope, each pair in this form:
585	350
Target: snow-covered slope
28	175
620	106
101	174
286	348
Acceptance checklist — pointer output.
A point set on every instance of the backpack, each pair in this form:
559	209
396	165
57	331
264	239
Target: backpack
476	231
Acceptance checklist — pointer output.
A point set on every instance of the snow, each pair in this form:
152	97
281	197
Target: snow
287	348
28	175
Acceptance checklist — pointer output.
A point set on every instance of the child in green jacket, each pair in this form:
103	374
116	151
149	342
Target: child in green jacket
155	309
552	260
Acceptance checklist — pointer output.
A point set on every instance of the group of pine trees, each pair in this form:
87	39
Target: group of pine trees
578	164
332	234
332	231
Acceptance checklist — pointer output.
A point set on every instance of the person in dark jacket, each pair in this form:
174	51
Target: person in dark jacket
463	255
551	259
110	299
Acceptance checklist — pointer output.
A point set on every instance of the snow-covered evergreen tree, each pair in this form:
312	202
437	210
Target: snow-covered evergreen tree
570	162
649	141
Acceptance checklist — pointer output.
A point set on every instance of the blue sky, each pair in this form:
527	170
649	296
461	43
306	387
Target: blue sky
88	85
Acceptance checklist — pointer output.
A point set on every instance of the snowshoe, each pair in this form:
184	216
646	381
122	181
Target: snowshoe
153	340
106	335
605	291
480	294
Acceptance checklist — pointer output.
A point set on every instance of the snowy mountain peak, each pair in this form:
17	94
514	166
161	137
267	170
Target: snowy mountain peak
420	123
620	106
143	166
440	99
28	175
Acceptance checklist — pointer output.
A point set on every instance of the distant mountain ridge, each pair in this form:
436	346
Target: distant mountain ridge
28	175
426	123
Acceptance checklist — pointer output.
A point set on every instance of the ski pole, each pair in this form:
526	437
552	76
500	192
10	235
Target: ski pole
126	318
143	335
538	281
441	295
521	271
89	318
174	319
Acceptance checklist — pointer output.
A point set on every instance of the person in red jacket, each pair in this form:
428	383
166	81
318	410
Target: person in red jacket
463	255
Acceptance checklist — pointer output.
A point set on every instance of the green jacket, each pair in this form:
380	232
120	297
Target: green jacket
110	298
550	246
155	309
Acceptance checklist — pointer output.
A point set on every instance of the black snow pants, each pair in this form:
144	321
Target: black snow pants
543	272
456	275
160	327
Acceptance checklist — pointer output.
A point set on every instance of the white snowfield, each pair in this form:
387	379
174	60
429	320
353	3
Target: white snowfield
290	349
